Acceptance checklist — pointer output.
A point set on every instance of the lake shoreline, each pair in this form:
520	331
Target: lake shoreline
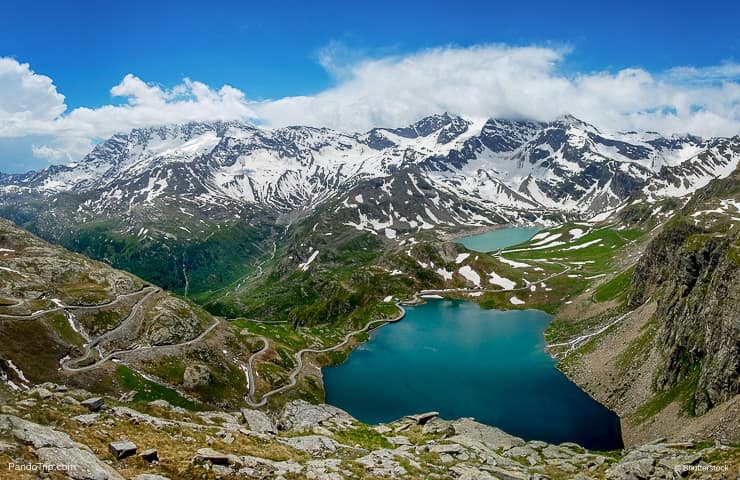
433	367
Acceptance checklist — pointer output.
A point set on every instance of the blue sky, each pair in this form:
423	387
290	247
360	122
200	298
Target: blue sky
269	51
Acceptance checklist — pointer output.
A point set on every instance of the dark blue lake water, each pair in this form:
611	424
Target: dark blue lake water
464	361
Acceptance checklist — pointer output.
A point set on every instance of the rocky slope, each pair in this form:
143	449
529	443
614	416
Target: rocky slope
66	318
155	441
671	365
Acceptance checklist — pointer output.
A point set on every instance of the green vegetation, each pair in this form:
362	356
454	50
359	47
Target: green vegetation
227	382
169	368
60	323
147	391
682	392
639	348
615	288
362	436
220	257
101	321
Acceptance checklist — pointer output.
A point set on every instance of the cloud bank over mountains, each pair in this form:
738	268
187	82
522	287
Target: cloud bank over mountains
478	81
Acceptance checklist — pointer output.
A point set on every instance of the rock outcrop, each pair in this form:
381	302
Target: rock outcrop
321	442
696	278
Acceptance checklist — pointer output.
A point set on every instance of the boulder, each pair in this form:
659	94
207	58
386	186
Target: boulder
301	415
316	445
634	470
468	472
128	396
258	421
149	476
382	463
30	433
122	449
438	426
448	448
87	419
196	375
422	418
40	392
87	465
93	404
492	437
150	455
399	440
209	455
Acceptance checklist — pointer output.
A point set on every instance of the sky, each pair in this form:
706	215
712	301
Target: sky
74	73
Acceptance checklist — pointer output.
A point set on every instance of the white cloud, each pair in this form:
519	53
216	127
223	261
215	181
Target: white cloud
516	82
481	81
30	106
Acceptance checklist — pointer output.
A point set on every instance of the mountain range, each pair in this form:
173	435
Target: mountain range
458	171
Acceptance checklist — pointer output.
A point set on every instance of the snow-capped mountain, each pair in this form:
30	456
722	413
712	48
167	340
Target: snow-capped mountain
441	170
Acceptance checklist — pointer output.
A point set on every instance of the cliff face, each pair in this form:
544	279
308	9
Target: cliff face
696	278
669	363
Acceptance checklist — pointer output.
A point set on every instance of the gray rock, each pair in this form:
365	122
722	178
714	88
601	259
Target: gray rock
87	465
422	418
301	415
634	470
399	440
122	449
4	446
438	426
258	421
70	400
149	476
506	473
491	436
128	396
87	419
226	420
446	458
537	444
196	375
156	422
210	455
468	472
93	404
382	429
448	448
40	392
553	451
382	463
524	451
28	402
31	433
150	455
317	445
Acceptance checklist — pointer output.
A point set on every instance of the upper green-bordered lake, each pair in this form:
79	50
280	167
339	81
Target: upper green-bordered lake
464	361
500	238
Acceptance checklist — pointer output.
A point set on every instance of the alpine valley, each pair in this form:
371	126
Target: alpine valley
196	278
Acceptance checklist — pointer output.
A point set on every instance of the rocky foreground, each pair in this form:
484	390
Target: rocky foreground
107	439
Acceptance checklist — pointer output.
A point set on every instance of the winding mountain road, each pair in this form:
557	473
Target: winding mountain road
61	306
298	356
139	349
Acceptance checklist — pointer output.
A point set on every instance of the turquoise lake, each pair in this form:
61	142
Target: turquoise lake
456	358
500	238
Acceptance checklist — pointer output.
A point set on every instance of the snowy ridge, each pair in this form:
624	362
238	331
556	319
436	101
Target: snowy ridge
441	171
